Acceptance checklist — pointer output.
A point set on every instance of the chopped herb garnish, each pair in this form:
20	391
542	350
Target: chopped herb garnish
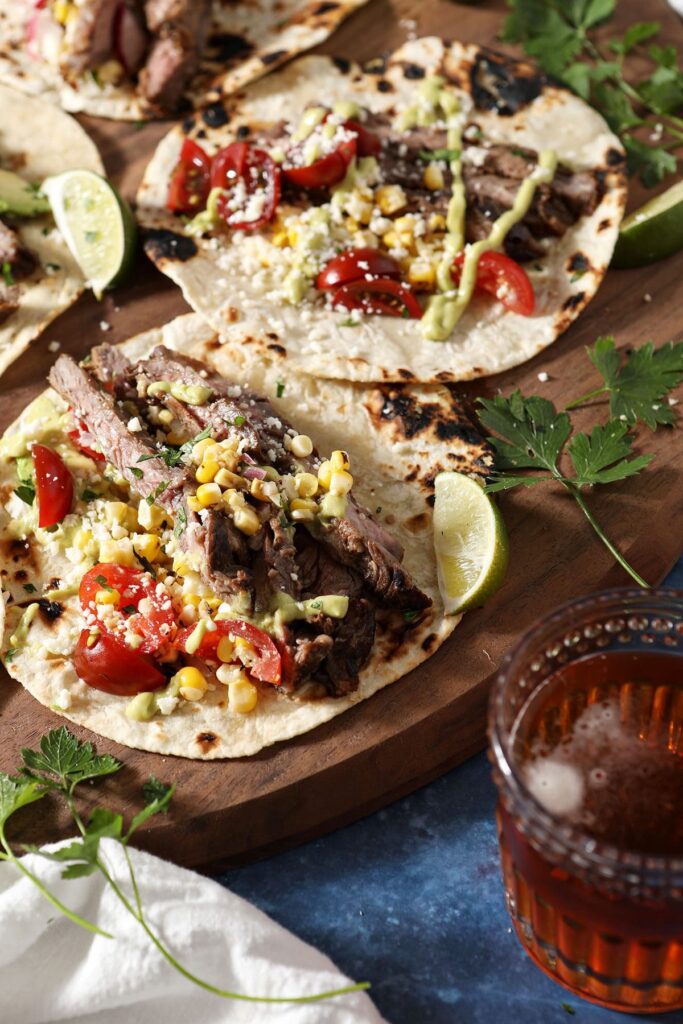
316	605
7	275
29	588
174	456
54	266
137	473
568	1009
10	654
181	522
138	125
349	323
439	154
146	565
102	581
92	236
159	489
26	492
284	522
89	495
378	510
238	421
279	387
577	275
538	267
130	609
410	614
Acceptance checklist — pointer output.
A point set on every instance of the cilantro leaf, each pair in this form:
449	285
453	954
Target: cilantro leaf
7	275
604	455
154	791
26	492
16	793
439	154
157	798
181	522
63	760
635	34
532	432
650	163
638	389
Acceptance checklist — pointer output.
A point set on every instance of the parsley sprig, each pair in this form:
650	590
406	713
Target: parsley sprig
562	39
59	767
529	434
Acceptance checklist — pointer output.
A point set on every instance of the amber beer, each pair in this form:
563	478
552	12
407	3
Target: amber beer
586	735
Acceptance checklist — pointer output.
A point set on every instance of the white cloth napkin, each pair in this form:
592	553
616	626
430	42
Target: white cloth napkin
51	970
677	5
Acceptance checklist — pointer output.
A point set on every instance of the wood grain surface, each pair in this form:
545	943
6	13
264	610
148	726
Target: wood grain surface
229	811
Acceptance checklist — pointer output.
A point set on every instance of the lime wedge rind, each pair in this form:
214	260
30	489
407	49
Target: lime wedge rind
96	224
653	232
470	543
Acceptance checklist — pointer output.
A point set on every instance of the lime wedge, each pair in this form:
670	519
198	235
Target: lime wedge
96	223
470	541
652	232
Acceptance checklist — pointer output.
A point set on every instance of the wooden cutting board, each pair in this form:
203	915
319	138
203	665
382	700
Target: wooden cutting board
229	811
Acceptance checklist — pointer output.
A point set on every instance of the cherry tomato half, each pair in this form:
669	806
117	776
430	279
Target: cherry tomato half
259	177
54	485
367	143
399	299
326	171
81	438
190	181
354	264
499	275
109	665
267	664
155	622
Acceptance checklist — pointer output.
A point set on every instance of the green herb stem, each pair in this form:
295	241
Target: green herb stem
614	551
586	398
50	897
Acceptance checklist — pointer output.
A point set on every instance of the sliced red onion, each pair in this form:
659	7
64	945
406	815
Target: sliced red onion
254	473
43	36
246	457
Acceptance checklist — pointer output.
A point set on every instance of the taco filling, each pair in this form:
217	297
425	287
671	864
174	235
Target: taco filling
215	547
375	215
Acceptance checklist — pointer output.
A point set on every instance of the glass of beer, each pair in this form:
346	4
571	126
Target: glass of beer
586	733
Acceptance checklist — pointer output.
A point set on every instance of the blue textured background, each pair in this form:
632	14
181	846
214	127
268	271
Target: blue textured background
410	899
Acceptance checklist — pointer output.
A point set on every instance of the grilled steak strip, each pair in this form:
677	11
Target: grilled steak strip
181	29
89	36
9	301
358	538
20	261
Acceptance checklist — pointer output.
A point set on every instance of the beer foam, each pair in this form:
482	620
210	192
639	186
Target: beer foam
558	787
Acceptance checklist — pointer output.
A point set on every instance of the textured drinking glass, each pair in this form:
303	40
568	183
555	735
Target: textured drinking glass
586	734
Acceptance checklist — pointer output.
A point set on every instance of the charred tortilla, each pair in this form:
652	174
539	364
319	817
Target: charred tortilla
180	55
241	280
40	278
397	438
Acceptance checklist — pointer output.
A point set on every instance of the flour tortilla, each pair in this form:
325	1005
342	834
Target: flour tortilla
228	283
245	40
398	438
35	141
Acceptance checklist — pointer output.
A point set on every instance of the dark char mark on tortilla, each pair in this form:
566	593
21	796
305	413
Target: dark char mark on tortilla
160	244
270	58
504	85
342	64
325	8
413	71
573	300
223	46
578	263
215	116
50	610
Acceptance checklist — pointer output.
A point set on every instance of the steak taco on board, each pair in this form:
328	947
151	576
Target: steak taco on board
38	275
439	215
195	569
128	59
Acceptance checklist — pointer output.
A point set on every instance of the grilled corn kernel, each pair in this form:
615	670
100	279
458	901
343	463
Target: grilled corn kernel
304	503
306	484
225	649
301	446
117	512
188	615
193	599
226	478
206	472
292	235
110	596
339	460
433	177
261	490
390	198
242	695
150	517
209	494
244	650
436	222
60	11
325	474
193	503
421	274
166	417
351	225
341	482
147	545
191	683
391	239
280	239
110	72
202	447
302	515
83	539
117	551
246	520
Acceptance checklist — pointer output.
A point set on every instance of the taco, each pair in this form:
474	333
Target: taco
184	573
440	215
38	275
129	59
